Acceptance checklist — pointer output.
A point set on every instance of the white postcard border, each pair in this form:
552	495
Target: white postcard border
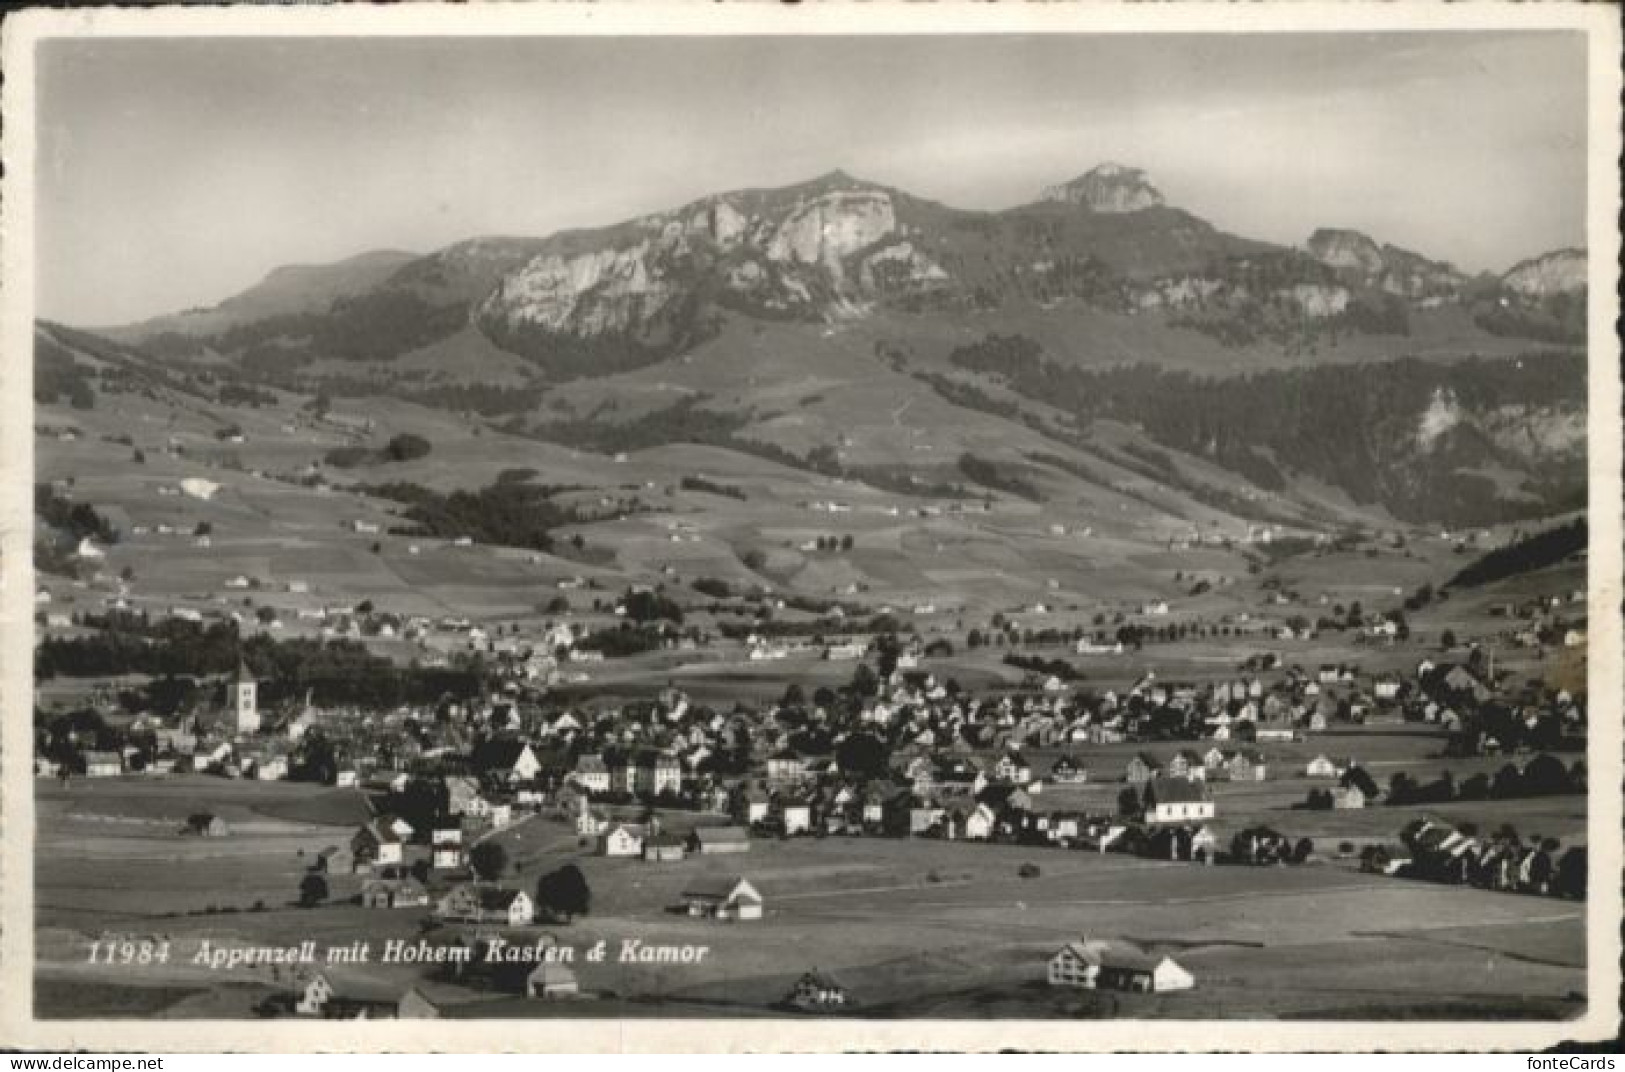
18	1028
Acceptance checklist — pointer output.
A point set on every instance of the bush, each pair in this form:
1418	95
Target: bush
407	447
1028	870
714	587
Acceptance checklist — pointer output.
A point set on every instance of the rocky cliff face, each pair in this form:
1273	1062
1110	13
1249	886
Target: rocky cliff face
1349	250
1108	188
1559	272
823	251
1319	301
828	230
1392	269
608	290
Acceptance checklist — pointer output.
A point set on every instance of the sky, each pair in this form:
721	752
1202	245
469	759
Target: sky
175	172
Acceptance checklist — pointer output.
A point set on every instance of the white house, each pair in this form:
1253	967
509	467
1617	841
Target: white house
1102	965
103	764
797	818
727	898
1320	767
622	840
1176	800
979	824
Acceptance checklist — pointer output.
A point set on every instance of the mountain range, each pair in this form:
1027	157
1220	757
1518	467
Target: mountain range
1071	327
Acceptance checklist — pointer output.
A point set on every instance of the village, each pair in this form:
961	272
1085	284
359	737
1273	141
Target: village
1159	770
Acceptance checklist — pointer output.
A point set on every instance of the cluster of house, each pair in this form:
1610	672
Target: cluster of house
1541	620
339	993
648	842
942	763
345	994
1457	853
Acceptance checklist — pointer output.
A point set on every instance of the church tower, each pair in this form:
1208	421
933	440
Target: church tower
245	695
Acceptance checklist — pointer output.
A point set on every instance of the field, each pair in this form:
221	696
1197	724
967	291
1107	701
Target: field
913	927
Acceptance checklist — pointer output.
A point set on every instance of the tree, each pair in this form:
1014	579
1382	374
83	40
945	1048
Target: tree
312	890
488	860
564	892
1401	788
846	542
1447	639
889	650
405	447
1128	801
862	754
1302	851
1545	775
865	682
314	759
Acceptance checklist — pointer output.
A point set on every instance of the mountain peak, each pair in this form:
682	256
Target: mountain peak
1108	187
1561	271
838	179
1341	247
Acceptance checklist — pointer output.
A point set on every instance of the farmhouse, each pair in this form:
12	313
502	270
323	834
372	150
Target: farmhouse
1176	800
1347	797
785	766
662	848
1011	767
592	774
980	823
1187	764
796	815
509	759
487	904
205	825
447	851
394	893
103	764
262	764
1246	765
622	840
1102	965
729	898
551	981
339	996
1142	768
415	1006
375	844
1320	767
1067	770
649	773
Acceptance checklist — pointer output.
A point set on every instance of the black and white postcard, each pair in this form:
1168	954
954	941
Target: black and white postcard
857	527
